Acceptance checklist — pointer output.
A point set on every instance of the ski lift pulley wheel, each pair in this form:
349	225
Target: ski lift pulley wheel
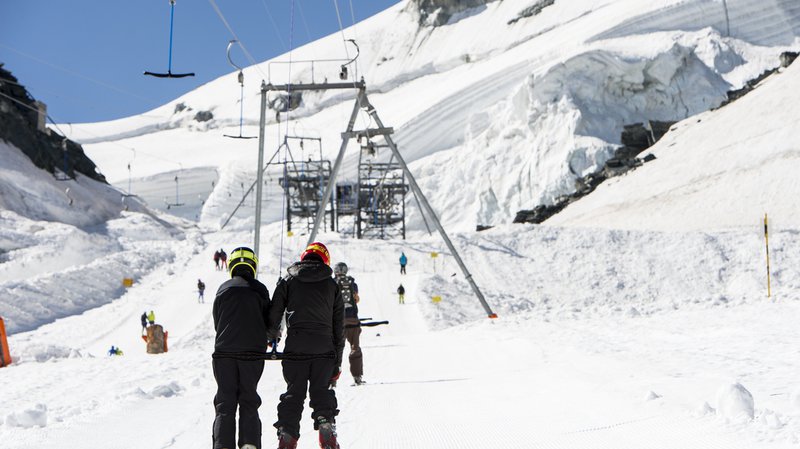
169	73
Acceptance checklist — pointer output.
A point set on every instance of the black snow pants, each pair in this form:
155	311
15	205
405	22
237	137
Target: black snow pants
314	376
236	386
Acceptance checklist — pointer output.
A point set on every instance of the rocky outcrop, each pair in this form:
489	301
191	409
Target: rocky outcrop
635	139
533	10
19	125
439	12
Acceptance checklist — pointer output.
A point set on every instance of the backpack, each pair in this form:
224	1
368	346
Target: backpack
346	290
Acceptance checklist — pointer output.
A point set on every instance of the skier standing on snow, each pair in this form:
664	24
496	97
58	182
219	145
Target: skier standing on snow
144	321
401	294
216	260
151	318
314	312
403	262
223	259
240	320
201	288
352	326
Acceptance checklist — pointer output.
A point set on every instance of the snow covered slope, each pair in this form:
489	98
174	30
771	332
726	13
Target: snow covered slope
517	109
719	170
637	319
65	246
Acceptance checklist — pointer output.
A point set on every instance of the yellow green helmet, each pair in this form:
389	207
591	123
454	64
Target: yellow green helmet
243	256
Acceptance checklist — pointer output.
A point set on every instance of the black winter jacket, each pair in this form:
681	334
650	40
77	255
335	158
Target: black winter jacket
240	316
314	310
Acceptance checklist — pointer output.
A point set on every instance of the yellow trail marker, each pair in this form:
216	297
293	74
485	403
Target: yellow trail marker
436	299
127	282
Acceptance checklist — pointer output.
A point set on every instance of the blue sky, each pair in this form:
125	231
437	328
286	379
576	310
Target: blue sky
85	58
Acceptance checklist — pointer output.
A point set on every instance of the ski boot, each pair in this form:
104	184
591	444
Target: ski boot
359	380
286	441
327	433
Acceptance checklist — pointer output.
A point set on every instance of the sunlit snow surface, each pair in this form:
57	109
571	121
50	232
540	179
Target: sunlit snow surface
637	317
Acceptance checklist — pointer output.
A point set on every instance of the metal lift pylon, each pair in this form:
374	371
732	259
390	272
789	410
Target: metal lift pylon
363	102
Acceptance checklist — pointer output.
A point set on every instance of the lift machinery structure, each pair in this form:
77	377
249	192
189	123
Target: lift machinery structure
361	103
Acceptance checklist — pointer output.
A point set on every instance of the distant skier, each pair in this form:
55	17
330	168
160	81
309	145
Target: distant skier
352	326
112	351
403	262
201	288
240	320
144	321
151	318
223	260
401	294
314	313
216	260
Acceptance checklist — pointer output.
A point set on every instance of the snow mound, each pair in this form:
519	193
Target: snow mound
651	396
705	409
566	124
35	417
167	390
735	403
45	353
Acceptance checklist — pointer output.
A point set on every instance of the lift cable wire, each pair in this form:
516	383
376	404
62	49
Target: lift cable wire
274	25
150	101
286	147
355	30
235	36
303	18
368	120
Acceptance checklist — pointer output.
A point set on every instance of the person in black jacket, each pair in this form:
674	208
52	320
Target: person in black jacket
312	303
352	325
240	319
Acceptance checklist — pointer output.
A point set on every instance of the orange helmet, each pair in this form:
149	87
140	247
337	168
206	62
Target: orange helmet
319	249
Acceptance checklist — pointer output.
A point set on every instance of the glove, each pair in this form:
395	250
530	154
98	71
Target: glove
336	373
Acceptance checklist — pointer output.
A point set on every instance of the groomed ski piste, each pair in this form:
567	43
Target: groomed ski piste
637	317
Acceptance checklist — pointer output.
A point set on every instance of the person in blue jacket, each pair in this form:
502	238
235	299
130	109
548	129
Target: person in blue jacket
403	262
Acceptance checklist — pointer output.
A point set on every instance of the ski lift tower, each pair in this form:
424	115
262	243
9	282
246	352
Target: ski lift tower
361	103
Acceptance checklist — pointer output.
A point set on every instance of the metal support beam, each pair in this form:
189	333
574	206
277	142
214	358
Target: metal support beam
332	183
372	132
415	187
360	85
260	166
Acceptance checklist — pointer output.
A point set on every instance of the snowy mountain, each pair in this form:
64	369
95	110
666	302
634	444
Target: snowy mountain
636	317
